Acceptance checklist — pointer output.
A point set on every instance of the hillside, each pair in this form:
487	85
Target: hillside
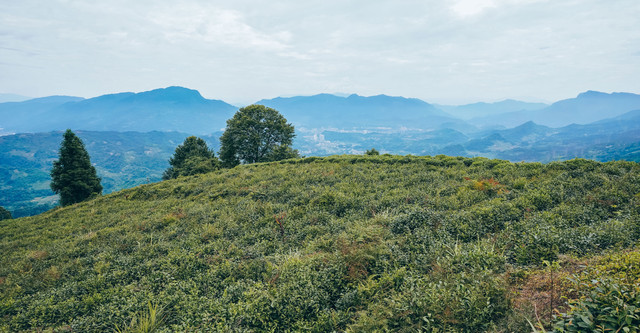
350	243
122	159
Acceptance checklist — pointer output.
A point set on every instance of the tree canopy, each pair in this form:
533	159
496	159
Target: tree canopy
192	157
372	151
73	176
256	133
5	214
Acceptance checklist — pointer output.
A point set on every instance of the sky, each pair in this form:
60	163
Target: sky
241	51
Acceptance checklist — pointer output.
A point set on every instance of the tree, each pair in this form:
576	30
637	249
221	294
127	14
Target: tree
73	176
190	158
5	214
372	151
256	133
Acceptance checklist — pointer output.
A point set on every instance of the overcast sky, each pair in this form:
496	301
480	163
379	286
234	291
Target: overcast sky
241	51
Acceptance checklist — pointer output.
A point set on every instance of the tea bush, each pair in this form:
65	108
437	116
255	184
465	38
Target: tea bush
609	297
340	243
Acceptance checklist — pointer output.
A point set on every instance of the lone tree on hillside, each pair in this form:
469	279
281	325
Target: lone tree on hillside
256	133
372	151
73	176
191	157
5	214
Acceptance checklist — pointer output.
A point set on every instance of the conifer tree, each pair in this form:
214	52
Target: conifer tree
192	157
73	176
5	214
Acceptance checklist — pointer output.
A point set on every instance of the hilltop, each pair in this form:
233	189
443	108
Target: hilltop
344	243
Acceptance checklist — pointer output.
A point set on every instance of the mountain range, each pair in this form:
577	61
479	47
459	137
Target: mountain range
587	107
354	111
130	136
168	109
185	110
482	109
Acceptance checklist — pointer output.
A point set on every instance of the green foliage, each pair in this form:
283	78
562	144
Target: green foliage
145	322
340	243
256	134
372	152
122	160
608	307
5	214
608	297
190	158
73	176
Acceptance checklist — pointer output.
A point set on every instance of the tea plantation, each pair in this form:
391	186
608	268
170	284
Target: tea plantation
343	243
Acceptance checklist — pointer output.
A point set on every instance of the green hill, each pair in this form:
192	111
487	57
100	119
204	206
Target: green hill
346	243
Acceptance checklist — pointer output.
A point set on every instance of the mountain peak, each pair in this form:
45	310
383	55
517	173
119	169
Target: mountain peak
529	124
174	93
591	94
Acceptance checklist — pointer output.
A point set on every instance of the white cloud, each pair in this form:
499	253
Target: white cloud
212	24
246	50
466	8
470	8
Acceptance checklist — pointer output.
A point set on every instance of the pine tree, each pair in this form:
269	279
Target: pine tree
73	176
4	214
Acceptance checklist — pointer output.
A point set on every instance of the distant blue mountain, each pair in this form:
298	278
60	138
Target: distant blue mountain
528	132
609	139
168	109
354	111
482	109
26	115
12	98
586	108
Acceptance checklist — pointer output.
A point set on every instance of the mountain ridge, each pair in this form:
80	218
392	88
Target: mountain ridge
355	111
320	110
586	107
484	109
182	110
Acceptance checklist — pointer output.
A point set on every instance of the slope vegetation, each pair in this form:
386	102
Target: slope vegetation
351	243
123	159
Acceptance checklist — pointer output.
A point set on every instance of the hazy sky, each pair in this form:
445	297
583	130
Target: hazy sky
242	51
